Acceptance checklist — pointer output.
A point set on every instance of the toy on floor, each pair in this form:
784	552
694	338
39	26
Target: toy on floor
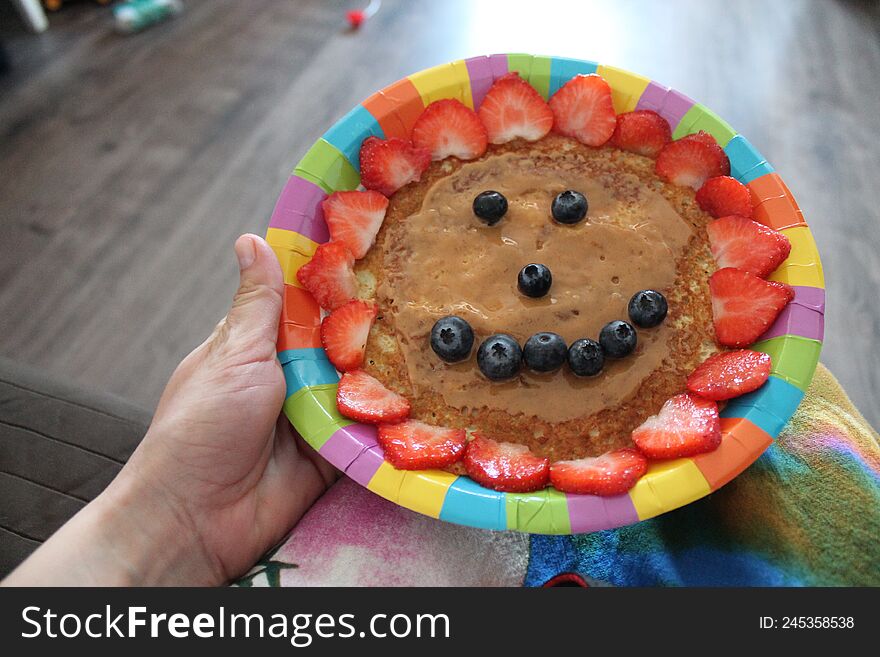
356	17
135	15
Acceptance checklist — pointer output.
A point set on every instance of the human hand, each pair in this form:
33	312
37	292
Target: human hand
219	478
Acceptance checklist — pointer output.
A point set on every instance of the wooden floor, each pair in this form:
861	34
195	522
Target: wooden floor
128	165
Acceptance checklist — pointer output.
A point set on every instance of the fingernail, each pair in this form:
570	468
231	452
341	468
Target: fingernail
246	251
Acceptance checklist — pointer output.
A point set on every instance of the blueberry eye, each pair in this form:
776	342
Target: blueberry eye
490	206
569	207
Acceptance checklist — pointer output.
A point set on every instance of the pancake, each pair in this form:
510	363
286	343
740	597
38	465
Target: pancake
432	258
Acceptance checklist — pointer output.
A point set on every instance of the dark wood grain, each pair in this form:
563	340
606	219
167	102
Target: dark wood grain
128	165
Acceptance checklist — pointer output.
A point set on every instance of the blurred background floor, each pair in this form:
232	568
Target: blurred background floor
129	164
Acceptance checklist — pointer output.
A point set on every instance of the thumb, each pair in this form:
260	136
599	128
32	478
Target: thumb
256	308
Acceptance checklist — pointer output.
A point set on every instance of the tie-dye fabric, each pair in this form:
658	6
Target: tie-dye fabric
807	513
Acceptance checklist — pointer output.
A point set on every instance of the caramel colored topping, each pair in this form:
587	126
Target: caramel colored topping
442	260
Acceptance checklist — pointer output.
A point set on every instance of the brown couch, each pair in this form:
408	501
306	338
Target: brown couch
59	447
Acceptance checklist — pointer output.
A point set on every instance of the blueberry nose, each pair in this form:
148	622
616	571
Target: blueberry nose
534	280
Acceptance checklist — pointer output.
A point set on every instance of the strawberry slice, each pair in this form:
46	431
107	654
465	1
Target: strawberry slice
389	164
329	275
730	374
363	398
582	109
747	245
354	218
449	128
414	445
722	195
613	473
709	140
643	132
690	162
686	425
505	467
344	334
513	109
744	306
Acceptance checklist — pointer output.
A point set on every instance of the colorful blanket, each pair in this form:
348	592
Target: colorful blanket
807	513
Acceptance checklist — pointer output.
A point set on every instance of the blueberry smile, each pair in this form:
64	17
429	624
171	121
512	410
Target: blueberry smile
500	356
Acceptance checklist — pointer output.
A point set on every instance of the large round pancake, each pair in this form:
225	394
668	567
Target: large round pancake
690	341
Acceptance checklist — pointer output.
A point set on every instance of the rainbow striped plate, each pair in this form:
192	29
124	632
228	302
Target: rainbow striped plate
749	423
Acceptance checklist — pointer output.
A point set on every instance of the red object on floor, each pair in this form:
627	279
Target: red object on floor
356	17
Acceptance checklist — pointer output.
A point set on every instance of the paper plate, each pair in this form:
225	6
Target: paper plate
749	423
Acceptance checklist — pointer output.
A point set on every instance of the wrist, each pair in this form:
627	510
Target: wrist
127	536
148	538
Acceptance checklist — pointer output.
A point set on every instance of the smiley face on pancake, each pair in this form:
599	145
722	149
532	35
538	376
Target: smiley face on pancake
607	231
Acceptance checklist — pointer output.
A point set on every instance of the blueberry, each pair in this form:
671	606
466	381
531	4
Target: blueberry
452	338
534	280
647	308
490	206
569	207
499	357
585	357
618	339
545	352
